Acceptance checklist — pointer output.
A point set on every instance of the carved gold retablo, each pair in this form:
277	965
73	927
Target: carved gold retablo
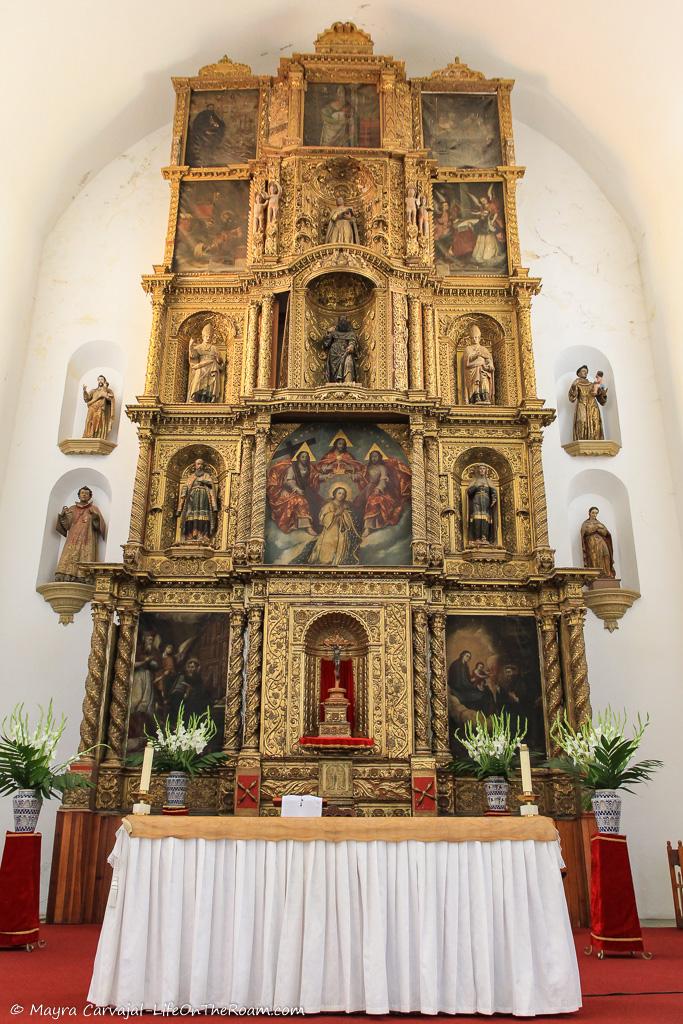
226	68
343	37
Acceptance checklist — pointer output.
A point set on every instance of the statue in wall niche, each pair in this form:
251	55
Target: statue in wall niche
482	509
198	505
205	382
82	524
101	407
342	347
596	545
342	228
478	370
589	395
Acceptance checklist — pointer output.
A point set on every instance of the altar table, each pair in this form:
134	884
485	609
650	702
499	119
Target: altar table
451	915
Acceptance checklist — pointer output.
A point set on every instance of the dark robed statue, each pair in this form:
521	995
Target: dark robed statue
482	507
342	347
197	505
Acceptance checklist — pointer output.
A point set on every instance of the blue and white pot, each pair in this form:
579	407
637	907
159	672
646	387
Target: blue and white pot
607	810
176	788
496	788
26	805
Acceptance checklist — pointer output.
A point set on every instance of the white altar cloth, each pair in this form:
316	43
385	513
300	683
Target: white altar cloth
337	925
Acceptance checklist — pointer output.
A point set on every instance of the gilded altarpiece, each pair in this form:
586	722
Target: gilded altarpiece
339	273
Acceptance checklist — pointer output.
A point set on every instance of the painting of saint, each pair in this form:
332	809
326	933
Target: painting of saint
339	496
462	129
493	666
222	127
338	115
212	225
181	658
469	227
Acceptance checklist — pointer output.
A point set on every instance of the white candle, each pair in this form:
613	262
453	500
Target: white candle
525	765
146	776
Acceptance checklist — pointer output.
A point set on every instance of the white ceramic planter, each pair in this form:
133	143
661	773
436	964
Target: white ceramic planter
496	789
26	806
607	809
176	788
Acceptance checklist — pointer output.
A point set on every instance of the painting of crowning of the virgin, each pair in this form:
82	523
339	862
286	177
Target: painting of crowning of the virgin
222	127
461	129
181	658
469	227
339	495
494	666
341	115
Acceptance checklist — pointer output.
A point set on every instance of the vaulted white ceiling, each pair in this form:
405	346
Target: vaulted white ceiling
83	81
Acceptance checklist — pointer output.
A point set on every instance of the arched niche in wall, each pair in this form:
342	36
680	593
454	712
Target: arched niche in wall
164	521
566	367
600	488
505	539
350	636
331	298
91	360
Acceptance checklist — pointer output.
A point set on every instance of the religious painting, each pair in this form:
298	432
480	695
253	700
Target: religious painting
339	495
469	227
341	115
493	666
222	127
180	658
212	225
462	129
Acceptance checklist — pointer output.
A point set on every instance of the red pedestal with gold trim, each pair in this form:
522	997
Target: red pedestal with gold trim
615	927
20	889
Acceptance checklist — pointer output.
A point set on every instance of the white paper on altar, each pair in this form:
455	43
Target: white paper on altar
302	807
467	927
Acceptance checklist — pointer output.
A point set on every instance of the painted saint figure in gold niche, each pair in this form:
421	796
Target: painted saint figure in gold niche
341	345
478	370
206	368
197	505
596	545
482	509
101	408
82	524
589	396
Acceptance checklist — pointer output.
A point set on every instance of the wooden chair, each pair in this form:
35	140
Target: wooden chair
676	872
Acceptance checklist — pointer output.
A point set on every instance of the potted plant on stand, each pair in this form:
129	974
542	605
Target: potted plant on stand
179	752
599	756
491	749
26	767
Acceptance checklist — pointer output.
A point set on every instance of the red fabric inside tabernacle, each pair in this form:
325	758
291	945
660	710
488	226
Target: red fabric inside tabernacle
615	927
336	741
345	680
20	889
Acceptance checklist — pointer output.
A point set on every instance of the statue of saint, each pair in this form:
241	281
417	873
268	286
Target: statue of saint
478	370
82	525
342	228
482	509
589	396
273	200
261	204
341	345
101	406
596	545
197	505
411	206
206	368
423	211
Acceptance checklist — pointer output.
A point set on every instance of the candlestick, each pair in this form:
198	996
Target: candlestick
525	765
146	776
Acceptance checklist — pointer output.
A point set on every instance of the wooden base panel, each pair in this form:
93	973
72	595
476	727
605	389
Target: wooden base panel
80	876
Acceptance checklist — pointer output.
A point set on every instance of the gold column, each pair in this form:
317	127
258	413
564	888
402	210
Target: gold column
139	503
258	496
429	348
94	682
437	671
265	348
244	499
578	668
250	349
252	718
296	93
420	548
554	698
157	286
523	299
399	315
540	507
415	341
120	687
420	687
233	704
433	503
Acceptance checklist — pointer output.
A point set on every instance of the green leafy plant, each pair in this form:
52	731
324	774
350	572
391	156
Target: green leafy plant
179	747
490	745
26	756
599	755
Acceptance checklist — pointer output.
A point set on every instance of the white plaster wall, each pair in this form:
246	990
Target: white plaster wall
88	290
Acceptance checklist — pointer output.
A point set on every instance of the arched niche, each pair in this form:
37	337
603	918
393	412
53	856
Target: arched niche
165	494
607	492
455	338
349	633
227	332
509	539
65	492
566	365
84	367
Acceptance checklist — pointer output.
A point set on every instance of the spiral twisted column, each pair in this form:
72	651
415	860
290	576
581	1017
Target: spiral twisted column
258	496
265	347
120	687
437	672
94	682
244	498
420	547
157	288
252	719
420	685
140	487
578	667
554	697
251	346
233	704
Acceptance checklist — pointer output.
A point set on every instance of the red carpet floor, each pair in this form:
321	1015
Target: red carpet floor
51	983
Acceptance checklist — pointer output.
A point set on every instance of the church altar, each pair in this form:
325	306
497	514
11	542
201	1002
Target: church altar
450	915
